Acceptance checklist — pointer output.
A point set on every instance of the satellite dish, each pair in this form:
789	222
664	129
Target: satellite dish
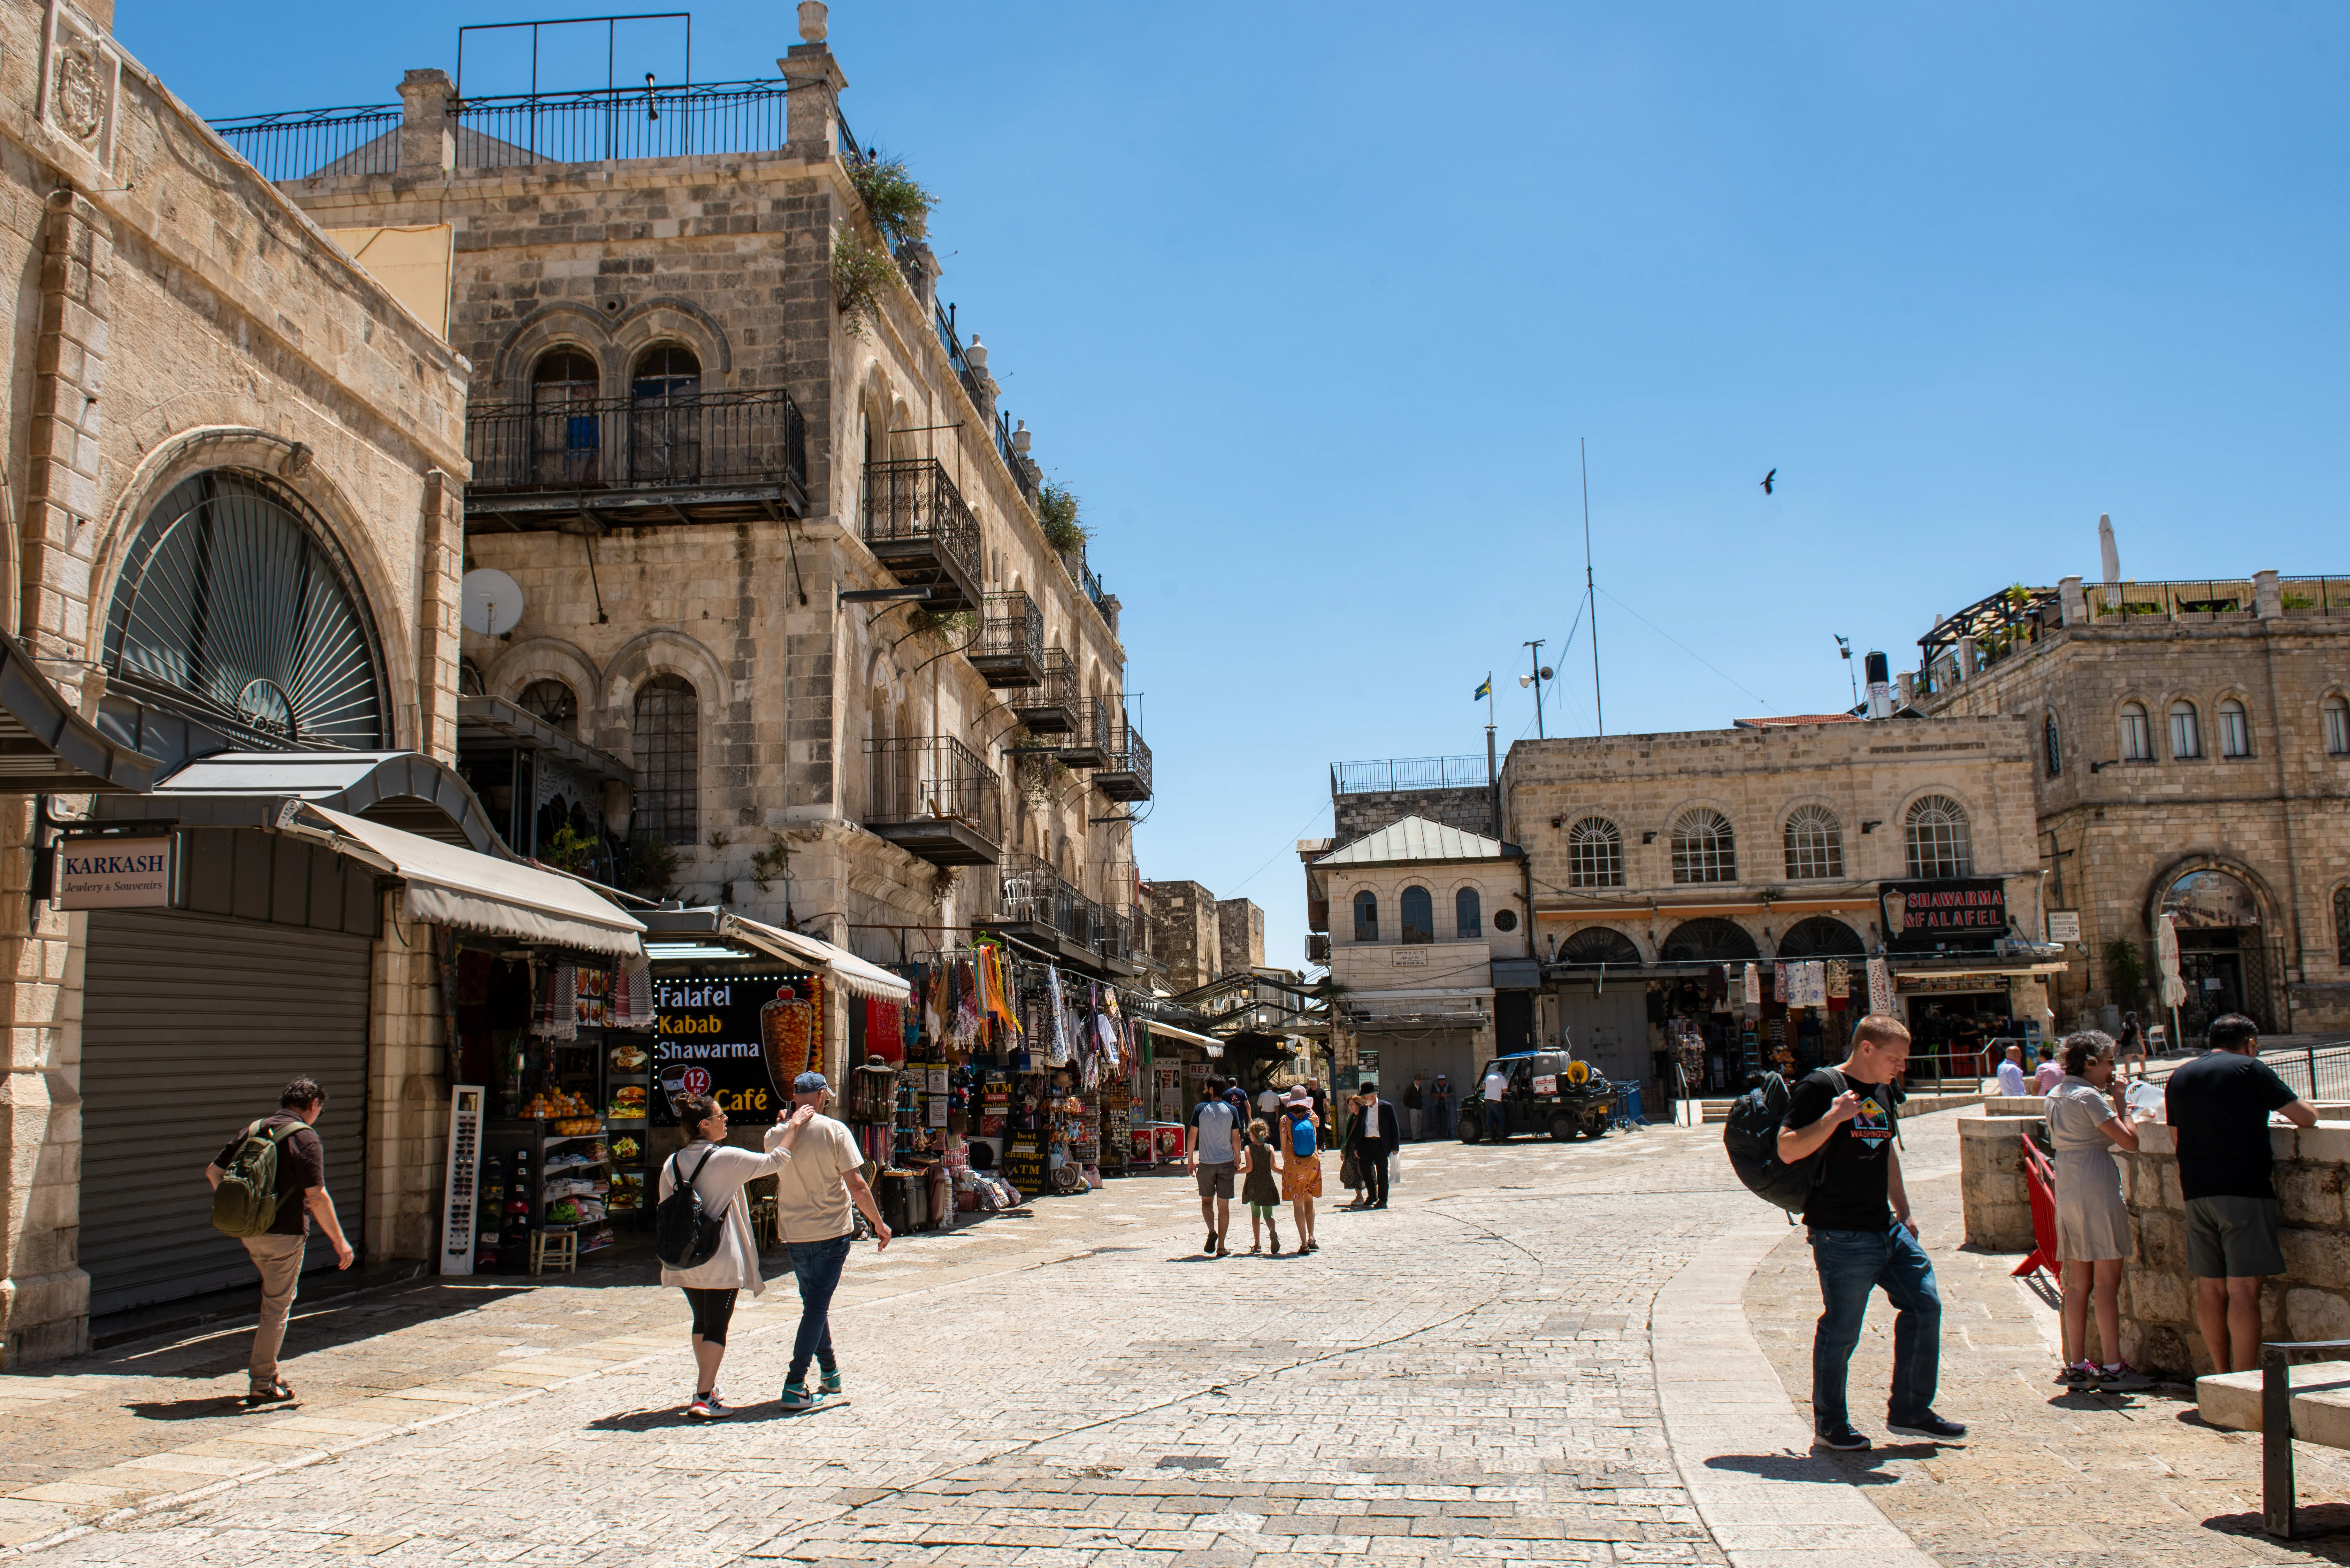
493	602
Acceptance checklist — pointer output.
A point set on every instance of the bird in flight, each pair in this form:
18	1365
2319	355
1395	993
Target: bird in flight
1767	479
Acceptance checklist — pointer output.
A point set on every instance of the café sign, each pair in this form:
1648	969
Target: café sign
1953	912
113	873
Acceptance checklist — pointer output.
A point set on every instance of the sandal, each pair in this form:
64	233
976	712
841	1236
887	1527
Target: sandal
274	1392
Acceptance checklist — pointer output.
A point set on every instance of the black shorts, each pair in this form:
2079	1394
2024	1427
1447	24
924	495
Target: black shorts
712	1310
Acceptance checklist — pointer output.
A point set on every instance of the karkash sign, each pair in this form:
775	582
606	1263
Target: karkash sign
113	873
1961	912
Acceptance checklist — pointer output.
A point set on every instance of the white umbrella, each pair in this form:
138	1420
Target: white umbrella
2166	958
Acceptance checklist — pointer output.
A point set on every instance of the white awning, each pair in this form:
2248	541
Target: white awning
449	885
1214	1047
856	975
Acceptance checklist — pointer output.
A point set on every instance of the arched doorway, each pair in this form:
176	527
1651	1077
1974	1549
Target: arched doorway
2223	953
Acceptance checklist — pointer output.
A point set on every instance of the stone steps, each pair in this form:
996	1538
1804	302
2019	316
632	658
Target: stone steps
2321	1415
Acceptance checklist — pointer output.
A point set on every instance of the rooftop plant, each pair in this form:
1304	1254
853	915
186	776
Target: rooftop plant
862	271
1056	512
900	208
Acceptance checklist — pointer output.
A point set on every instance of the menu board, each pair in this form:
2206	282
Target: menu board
743	1038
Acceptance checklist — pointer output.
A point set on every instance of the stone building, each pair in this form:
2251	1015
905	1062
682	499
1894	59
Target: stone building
1186	934
1239	935
233	468
776	546
1659	866
2191	754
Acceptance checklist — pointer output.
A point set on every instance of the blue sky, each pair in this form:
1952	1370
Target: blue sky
1310	305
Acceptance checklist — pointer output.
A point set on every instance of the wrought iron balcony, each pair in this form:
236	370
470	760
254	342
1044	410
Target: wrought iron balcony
1049	707
1087	745
1127	775
1010	651
935	797
1029	892
704	457
1114	932
917	524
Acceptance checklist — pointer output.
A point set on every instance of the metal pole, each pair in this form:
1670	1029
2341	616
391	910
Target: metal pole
1590	593
1534	653
2276	1443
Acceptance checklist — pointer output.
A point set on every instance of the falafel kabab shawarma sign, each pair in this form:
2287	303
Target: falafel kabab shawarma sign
742	1038
1961	912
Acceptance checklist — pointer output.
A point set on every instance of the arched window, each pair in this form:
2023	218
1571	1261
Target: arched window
1942	841
668	793
1822	936
1814	844
2053	744
567	429
2235	729
551	702
1367	917
665	416
2186	733
1704	849
1468	916
1419	916
1595	853
2337	727
1598	944
2138	736
1708	941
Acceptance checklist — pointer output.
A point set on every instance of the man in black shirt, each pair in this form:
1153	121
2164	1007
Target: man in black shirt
277	1256
2220	1106
1863	1238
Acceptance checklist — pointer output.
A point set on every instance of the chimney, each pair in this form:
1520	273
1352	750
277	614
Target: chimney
1880	686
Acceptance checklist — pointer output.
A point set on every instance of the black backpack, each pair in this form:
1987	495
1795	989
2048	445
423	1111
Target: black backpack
683	1236
1751	1135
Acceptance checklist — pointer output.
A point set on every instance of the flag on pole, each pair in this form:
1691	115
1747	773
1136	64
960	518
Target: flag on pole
1482	691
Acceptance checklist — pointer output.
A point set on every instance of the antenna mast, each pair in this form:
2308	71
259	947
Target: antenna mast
1590	591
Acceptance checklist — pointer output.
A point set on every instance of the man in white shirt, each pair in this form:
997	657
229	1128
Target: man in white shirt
2011	1072
813	1193
1496	1090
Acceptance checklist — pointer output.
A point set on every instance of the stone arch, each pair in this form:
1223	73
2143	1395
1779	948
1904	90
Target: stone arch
1708	939
667	315
1821	936
2160	884
548	326
546	659
388	598
662	652
1599	944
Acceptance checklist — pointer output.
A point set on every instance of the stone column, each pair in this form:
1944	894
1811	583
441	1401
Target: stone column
2268	596
62	484
2075	603
408	1092
428	125
815	82
437	625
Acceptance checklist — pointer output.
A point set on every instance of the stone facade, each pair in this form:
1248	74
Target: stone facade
1359	814
1239	935
175	314
728	259
2109	679
1186	934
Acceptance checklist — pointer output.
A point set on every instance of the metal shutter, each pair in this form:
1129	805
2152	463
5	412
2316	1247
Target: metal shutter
191	1026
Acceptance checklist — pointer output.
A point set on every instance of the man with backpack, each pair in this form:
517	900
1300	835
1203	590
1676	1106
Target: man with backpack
255	1182
1841	1121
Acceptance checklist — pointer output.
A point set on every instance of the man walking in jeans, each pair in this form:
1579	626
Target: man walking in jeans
301	1170
813	1194
1863	1238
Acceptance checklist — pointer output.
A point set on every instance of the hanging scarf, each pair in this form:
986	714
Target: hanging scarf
1056	1051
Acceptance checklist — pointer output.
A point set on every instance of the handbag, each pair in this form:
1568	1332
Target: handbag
1350	1170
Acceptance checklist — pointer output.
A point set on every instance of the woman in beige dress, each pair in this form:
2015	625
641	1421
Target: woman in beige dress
2087	1118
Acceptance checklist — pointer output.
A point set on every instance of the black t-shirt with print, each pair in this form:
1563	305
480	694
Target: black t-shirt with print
1850	1195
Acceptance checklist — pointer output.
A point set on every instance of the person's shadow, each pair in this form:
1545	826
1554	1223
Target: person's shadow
1824	1468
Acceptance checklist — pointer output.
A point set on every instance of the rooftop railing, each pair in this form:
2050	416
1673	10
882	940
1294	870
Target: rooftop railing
360	140
707	437
1407	773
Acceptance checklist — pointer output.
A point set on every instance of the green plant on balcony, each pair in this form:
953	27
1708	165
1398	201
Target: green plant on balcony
1056	513
2300	601
861	273
570	850
900	208
952	625
2125	973
2140	607
649	867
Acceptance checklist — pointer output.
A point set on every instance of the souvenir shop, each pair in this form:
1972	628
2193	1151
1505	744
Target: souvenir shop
1731	1020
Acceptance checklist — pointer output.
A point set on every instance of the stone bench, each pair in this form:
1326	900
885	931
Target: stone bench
2282	1403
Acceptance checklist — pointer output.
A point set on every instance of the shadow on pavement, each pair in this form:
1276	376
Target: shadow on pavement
209	1408
2316	1520
1821	1470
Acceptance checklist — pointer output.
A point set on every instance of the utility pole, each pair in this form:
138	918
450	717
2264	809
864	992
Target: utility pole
1590	591
1534	659
1844	646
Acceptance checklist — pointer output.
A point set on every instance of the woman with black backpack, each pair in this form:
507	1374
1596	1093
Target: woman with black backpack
717	1174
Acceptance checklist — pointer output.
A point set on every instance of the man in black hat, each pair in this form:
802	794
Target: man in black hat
1377	1139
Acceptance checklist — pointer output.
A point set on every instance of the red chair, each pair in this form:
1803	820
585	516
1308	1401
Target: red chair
2040	1175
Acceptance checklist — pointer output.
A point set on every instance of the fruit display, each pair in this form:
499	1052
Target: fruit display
577	1127
548	1103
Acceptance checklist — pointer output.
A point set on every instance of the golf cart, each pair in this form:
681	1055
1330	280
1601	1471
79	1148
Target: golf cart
1550	1092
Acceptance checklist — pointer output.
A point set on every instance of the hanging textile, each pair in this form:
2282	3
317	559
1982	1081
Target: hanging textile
1880	986
1057	1048
884	1031
555	1013
1839	973
632	996
1753	985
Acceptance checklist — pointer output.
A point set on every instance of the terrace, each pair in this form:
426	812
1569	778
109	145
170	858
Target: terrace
702	457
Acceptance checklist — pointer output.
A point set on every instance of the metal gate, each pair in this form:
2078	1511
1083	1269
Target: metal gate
191	1026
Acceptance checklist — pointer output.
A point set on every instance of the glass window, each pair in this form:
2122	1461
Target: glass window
2137	737
565	429
1467	917
2337	727
551	702
1704	849
2235	729
1942	840
1419	916
1595	853
2052	743
667	765
1367	917
2185	734
1814	844
665	417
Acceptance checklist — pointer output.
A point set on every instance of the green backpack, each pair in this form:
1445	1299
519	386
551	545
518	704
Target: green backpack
246	1201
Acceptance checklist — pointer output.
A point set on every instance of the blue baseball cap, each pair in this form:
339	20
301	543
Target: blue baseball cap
810	1084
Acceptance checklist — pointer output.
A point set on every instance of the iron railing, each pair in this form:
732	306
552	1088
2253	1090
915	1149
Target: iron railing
1090	731
1113	932
943	317
852	152
2315	595
1407	773
921	778
362	139
912	498
1030	890
1049	707
1013	457
1011	626
702	439
1129	752
2313	1072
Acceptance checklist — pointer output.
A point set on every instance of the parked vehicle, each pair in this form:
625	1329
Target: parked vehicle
1550	1092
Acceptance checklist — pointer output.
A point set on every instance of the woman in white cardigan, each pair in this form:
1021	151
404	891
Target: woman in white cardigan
719	1174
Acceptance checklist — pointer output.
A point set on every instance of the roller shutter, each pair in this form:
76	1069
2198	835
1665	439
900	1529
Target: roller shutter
191	1026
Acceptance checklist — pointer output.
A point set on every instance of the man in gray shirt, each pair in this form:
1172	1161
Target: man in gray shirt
1215	1126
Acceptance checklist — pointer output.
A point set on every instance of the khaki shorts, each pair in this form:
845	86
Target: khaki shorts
2232	1237
1216	1180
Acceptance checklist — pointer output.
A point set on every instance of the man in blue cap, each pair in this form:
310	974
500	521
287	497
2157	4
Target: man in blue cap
813	1195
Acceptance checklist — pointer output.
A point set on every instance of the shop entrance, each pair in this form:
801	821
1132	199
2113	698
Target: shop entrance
2222	956
1452	1052
1950	1031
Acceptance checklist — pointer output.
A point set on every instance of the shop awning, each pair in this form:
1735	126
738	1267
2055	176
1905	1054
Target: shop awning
448	885
47	748
405	790
1214	1046
856	975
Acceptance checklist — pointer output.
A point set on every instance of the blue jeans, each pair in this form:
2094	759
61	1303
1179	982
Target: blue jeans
1851	1263
1496	1120
816	1265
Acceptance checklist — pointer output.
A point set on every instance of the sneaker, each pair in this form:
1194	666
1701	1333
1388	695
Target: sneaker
1842	1439
796	1397
2121	1378
830	1383
2075	1376
709	1408
1928	1426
